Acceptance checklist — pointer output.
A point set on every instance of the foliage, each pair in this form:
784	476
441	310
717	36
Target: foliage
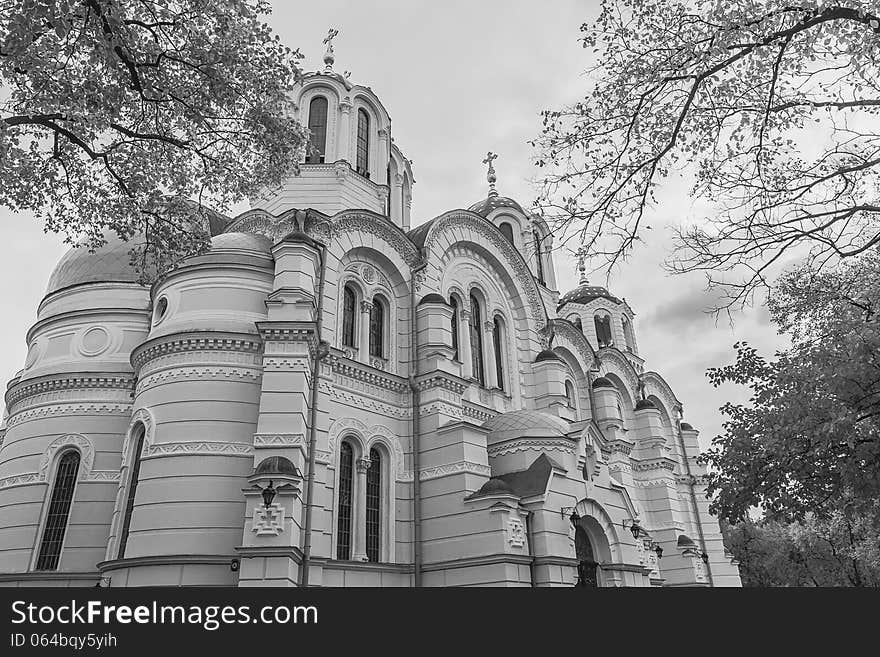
810	436
842	549
771	105
133	116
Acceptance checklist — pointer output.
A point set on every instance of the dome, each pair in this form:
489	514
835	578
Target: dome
686	427
585	293
485	207
645	404
494	486
433	297
276	465
522	424
241	242
110	263
548	354
602	382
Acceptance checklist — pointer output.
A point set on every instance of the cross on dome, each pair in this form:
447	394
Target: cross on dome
582	265
490	176
329	57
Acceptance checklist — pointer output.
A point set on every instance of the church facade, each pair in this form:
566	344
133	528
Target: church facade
329	397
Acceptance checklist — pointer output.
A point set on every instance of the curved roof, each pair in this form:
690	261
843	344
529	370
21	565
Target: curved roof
584	293
243	242
645	403
237	248
524	423
110	263
485	207
548	354
685	426
602	382
276	465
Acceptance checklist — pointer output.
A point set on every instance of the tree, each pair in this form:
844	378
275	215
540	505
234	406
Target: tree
809	440
136	116
770	105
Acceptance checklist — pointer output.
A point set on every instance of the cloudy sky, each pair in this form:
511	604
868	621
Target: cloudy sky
460	78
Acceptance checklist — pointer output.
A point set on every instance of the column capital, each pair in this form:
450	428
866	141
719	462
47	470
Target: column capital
363	465
366	306
465	315
489	326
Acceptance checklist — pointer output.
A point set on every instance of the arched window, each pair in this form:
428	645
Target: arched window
476	336
587	567
497	337
578	324
627	334
59	511
506	230
132	490
454	303
318	128
374	499
603	330
363	143
377	328
349	324
343	511
569	394
390	190
539	258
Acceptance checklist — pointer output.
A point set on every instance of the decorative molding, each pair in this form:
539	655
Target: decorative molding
198	448
42	386
85	473
367	437
377	226
622	367
460	467
199	374
57	410
525	444
278	440
186	343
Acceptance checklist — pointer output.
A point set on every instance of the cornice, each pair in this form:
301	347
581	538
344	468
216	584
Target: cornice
195	341
662	463
362	372
21	390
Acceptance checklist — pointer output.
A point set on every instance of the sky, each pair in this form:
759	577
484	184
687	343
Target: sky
461	78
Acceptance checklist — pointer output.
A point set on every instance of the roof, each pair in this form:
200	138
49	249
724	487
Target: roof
548	354
586	293
110	263
602	382
485	207
419	234
533	480
276	465
645	404
525	423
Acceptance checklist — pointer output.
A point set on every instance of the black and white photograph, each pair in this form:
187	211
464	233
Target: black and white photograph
597	308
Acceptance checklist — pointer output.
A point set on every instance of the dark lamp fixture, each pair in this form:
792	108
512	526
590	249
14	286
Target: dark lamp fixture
659	551
574	518
268	494
636	529
704	557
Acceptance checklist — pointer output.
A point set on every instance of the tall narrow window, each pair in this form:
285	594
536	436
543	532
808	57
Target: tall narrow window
476	336
390	189
318	128
497	337
343	514
627	334
578	324
377	328
569	394
603	330
132	490
506	230
363	143
454	303
349	302
539	258
374	495
59	512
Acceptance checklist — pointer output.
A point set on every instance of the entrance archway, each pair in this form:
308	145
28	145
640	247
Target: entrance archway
587	568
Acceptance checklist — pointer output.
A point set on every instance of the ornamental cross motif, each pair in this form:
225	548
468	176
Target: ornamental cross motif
328	40
582	264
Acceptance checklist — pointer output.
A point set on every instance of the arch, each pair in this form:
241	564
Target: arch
604	334
499	345
657	385
587	565
345	500
614	360
63	444
57	512
453	303
600	529
131	485
379	318
349	316
567	334
475	325
570	396
506	229
626	399
319	112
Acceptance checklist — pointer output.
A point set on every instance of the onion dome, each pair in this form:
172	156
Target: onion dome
433	297
645	404
602	382
276	465
586	293
110	263
548	354
686	427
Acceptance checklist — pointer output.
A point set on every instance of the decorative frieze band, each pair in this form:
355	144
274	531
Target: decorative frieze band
461	467
199	374
278	440
56	410
198	448
524	444
42	386
662	463
185	343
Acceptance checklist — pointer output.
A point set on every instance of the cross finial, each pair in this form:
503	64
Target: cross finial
329	57
582	266
490	176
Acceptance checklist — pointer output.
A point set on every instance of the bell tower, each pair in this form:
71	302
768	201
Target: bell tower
352	161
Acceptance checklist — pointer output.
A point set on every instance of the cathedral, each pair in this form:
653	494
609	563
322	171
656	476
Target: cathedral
329	396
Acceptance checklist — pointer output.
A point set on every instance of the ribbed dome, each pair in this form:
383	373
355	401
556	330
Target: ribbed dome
525	424
585	293
485	207
110	263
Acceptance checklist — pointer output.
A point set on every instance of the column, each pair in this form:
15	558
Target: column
360	528
364	328
343	132
464	343
381	163
489	355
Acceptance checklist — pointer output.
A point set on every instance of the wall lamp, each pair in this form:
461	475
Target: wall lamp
705	558
268	494
658	551
574	518
635	528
